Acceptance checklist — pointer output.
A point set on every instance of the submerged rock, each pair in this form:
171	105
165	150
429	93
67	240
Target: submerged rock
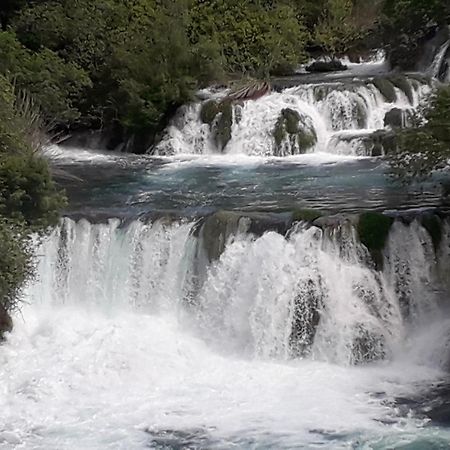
368	345
307	306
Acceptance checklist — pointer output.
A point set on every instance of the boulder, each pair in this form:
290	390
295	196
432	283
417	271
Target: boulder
386	88
333	65
395	118
292	129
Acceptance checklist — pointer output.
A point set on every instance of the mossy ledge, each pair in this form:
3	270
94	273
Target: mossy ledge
306	215
434	226
373	230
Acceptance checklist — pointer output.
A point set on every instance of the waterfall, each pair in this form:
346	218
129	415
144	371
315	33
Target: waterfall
327	111
309	293
439	68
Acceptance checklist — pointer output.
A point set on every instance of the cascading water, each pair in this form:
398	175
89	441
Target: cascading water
311	294
153	338
333	112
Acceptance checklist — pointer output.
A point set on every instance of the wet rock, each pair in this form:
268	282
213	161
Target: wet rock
386	88
216	229
291	129
402	83
307	306
373	231
209	111
395	118
368	346
326	66
222	134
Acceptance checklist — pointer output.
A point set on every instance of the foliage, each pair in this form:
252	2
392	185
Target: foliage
15	263
54	83
425	147
406	23
336	31
253	37
29	200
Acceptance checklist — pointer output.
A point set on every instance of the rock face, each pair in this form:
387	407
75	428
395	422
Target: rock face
386	88
217	229
6	324
326	66
292	134
395	118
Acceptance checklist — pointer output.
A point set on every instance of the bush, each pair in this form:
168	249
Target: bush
29	200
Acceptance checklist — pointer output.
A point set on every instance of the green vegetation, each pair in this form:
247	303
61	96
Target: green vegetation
29	200
373	231
425	147
405	24
126	65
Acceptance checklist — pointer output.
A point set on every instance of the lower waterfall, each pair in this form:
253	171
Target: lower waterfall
157	336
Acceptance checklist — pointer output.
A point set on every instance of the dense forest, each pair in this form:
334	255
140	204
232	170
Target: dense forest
125	66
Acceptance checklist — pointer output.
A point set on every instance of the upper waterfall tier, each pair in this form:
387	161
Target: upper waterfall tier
338	117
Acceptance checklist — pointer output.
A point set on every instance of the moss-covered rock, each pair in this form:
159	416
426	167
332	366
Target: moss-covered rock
401	82
433	224
306	215
291	127
373	231
386	88
223	128
209	111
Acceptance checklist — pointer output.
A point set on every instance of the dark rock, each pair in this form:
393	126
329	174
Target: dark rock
395	118
402	83
307	306
326	66
222	132
216	229
209	111
373	231
386	88
6	324
291	127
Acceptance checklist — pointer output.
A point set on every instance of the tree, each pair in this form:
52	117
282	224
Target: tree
336	30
